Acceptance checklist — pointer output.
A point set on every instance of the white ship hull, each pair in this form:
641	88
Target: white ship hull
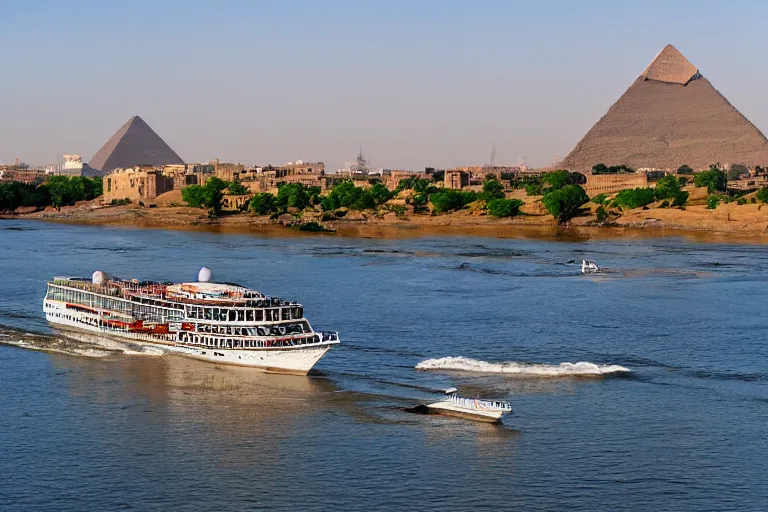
290	360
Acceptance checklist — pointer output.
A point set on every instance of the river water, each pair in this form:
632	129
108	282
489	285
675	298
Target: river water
685	429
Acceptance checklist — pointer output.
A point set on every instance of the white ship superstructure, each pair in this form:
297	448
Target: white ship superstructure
219	322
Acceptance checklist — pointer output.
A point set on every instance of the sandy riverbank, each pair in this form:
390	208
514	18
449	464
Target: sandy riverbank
729	222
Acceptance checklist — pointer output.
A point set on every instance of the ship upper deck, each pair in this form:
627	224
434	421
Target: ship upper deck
200	293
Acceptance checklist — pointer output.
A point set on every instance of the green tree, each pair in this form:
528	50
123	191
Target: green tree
237	189
213	193
492	189
714	179
666	187
380	193
208	196
762	195
564	203
600	199
684	169
634	197
292	195
263	204
193	196
601	213
448	200
504	207
555	180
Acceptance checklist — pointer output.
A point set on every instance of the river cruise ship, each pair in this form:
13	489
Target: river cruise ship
217	322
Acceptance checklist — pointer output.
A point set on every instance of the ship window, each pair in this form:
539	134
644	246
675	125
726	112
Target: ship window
232	315
240	315
286	313
296	313
229	343
249	315
259	315
208	314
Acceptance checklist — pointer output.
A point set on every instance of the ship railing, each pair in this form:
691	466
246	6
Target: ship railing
86	286
473	403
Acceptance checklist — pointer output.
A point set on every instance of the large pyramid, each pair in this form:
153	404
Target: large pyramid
670	116
135	143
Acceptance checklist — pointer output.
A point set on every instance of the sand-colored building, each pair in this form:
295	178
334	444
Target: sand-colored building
456	179
611	183
235	203
136	184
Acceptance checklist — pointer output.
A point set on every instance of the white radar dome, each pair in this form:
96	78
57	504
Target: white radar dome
205	275
99	278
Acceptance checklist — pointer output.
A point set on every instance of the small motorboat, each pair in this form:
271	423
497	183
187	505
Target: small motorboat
589	267
488	411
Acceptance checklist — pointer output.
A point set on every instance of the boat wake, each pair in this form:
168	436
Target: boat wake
522	369
72	343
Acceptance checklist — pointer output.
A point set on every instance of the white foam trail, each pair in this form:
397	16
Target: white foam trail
517	368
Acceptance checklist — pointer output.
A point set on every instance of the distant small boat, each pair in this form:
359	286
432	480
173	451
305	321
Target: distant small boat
488	411
589	267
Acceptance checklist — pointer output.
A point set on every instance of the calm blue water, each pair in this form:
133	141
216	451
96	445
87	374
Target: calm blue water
685	431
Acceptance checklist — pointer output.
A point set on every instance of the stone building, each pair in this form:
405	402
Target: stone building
393	178
8	173
456	179
610	183
235	203
136	184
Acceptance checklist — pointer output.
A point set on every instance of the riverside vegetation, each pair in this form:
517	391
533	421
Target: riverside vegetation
424	201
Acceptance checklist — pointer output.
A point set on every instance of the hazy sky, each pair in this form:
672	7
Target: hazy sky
417	83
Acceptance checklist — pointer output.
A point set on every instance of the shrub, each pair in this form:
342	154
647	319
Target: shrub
762	195
449	200
666	188
601	213
207	196
237	189
753	201
741	201
263	204
681	199
504	207
492	189
614	169
714	179
600	199
634	197
664	204
712	202
533	189
558	179
682	180
684	169
347	195
564	203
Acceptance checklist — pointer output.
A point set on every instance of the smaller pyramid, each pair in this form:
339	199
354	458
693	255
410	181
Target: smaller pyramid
134	144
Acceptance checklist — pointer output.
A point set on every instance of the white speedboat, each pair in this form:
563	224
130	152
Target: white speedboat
589	267
488	411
